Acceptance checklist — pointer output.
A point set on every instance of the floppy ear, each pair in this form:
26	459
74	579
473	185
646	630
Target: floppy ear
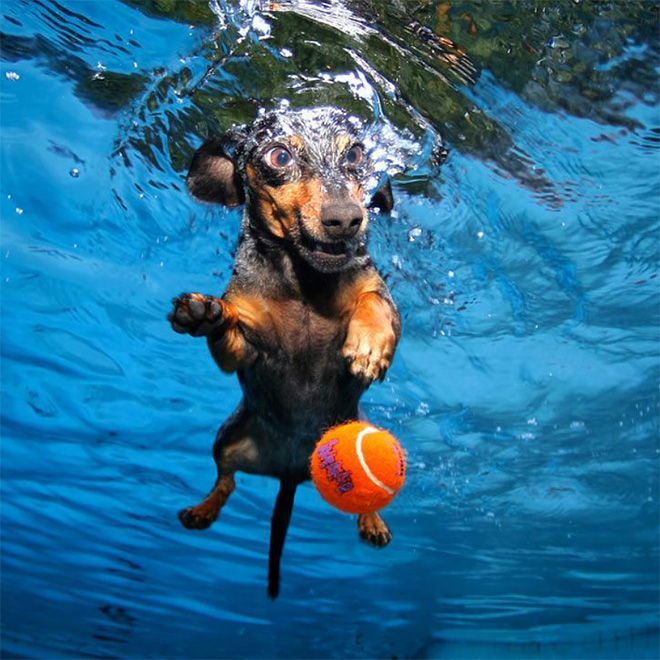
213	176
383	198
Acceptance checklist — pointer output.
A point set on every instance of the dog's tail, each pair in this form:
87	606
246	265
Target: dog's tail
278	527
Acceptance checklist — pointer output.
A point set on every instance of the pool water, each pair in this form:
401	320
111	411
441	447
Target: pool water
525	387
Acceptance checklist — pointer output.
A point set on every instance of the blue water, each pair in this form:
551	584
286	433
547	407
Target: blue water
525	387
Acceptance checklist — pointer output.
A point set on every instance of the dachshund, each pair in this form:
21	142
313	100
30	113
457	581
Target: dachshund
306	321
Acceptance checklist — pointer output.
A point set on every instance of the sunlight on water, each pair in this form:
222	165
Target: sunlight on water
522	141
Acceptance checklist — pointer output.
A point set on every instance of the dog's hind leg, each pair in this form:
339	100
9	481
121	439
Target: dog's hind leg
233	450
373	529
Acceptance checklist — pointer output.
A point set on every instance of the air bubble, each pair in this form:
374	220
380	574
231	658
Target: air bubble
423	408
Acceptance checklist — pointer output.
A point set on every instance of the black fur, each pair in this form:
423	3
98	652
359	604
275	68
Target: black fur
306	322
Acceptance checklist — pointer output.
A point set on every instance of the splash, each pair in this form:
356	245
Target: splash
392	150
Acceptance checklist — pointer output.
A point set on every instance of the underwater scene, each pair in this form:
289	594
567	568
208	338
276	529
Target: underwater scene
522	142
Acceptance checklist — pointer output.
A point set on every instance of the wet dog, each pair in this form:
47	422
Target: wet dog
306	321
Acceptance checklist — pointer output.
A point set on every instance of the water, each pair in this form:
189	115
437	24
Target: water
525	388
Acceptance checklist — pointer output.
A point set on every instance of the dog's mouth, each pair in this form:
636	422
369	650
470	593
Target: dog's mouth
329	257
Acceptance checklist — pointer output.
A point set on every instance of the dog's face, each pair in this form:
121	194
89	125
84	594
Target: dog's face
302	176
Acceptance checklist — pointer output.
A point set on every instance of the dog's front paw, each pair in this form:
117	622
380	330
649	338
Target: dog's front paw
369	352
373	530
195	314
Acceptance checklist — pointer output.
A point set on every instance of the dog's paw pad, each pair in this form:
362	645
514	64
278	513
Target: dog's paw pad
195	314
197	308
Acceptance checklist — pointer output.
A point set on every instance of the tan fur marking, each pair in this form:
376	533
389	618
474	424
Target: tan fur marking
374	314
372	329
239	313
229	314
296	142
280	207
240	454
251	313
342	142
350	294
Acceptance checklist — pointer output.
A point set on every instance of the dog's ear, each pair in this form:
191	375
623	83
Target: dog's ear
382	198
213	176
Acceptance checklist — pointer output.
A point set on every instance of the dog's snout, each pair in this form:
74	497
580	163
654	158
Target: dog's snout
341	220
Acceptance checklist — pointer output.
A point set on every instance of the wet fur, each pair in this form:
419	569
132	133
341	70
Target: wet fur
305	332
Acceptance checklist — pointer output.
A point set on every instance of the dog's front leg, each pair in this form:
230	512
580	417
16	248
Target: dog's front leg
219	321
373	332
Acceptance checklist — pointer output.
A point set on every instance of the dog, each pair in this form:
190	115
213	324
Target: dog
306	321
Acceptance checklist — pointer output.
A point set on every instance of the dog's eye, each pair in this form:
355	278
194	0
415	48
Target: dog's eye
278	157
354	155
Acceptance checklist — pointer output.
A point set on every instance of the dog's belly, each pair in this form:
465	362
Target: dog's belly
301	384
300	395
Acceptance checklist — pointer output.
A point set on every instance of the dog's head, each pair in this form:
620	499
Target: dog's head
302	175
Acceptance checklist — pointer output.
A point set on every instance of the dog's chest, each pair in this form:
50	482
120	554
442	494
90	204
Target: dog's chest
305	332
300	381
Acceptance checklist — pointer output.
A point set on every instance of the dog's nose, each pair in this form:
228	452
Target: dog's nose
341	220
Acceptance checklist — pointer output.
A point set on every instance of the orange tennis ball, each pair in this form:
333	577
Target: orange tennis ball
358	467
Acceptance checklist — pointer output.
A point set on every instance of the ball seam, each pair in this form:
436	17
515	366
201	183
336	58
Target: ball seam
363	462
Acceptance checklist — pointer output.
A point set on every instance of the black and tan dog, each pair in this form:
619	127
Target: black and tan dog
306	321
